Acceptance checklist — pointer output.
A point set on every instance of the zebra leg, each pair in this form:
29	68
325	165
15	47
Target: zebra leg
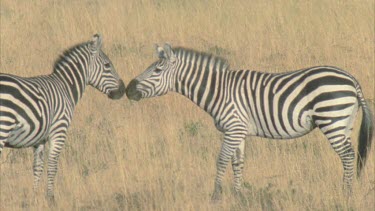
1	146
338	129
222	162
339	138
38	164
6	131
237	166
56	145
232	141
347	155
336	121
3	138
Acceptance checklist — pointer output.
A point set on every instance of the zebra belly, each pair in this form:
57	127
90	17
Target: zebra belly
292	135
285	130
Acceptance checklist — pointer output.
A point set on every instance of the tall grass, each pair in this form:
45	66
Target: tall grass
159	154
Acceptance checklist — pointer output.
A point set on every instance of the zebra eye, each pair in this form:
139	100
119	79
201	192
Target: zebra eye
157	70
107	65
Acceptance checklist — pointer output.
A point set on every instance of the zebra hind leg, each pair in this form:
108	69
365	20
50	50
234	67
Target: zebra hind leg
56	145
3	137
343	147
38	164
347	156
7	131
337	126
1	146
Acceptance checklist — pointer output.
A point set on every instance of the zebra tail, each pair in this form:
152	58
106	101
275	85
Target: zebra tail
365	133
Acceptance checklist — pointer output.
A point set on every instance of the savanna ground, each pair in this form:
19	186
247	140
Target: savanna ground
160	154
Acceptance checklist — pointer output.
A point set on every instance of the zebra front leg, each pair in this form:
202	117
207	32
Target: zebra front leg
38	164
237	166
56	145
232	141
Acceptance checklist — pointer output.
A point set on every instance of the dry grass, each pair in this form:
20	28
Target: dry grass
159	154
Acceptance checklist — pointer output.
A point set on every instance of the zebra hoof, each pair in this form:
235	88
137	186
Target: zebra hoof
348	192
240	197
216	197
51	201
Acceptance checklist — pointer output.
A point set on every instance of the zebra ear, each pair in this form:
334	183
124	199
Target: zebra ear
96	43
160	51
169	52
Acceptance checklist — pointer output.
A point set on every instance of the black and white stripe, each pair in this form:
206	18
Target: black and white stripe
250	103
39	109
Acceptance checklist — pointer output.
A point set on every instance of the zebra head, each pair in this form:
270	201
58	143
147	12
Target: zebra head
102	74
157	79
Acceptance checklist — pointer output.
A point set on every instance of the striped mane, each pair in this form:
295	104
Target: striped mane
66	54
180	51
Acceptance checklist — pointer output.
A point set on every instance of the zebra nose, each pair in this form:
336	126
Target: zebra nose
117	94
131	90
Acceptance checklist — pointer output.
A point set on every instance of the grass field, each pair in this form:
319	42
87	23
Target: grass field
160	153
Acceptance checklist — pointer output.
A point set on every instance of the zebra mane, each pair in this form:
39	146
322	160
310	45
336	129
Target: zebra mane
217	59
66	54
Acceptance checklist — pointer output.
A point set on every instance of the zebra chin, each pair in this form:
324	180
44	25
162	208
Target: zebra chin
135	95
118	93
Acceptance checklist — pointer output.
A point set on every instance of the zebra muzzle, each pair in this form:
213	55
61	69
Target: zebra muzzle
118	93
132	92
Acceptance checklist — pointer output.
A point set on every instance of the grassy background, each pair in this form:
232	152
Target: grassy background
159	154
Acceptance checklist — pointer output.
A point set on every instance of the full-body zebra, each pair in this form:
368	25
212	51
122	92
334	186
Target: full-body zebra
277	106
37	110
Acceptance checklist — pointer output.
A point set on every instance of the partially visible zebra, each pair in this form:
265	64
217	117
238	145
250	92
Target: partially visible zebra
277	106
39	109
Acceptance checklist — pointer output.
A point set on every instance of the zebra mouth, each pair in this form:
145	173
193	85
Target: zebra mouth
117	94
136	96
131	91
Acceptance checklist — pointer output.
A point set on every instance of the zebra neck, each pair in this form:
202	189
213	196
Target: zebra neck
73	79
202	87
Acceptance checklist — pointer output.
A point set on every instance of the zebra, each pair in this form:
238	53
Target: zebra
37	110
252	103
